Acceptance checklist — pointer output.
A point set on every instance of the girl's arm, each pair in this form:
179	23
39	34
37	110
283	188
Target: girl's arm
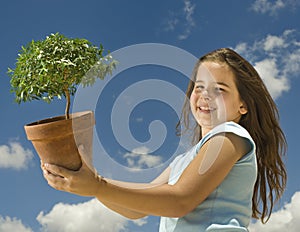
207	170
161	179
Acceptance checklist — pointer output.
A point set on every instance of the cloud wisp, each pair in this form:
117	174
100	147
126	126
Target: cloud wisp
272	7
188	12
276	58
181	21
140	158
266	6
14	156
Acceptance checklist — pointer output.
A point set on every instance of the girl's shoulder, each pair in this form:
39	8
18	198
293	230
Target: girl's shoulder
227	127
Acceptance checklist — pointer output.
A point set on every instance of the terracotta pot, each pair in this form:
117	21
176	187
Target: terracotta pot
56	140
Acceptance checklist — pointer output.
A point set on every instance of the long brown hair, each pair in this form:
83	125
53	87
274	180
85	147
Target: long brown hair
261	121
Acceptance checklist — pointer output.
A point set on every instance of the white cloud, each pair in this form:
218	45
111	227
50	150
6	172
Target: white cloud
276	58
188	12
15	156
285	219
139	158
272	7
273	42
182	21
292	64
90	216
8	224
171	22
269	72
266	6
141	221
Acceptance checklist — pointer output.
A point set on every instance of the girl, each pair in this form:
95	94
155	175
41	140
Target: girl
234	170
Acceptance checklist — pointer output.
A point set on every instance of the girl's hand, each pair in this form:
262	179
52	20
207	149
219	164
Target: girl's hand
84	182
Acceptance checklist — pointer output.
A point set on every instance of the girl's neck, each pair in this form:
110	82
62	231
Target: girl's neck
204	131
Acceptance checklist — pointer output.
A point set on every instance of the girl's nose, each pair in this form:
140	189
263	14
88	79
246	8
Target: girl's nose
205	95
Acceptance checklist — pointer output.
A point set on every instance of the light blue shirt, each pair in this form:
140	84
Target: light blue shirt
229	207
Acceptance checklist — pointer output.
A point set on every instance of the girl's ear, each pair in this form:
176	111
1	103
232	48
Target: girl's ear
243	108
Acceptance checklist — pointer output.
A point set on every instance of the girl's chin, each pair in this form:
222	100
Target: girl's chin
210	124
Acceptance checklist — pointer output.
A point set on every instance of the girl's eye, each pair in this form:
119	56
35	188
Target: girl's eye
219	90
199	87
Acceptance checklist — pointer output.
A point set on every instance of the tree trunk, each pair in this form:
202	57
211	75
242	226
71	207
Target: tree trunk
67	111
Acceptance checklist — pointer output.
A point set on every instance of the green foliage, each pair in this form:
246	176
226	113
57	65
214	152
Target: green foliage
54	67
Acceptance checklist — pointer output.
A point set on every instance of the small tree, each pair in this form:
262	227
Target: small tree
54	67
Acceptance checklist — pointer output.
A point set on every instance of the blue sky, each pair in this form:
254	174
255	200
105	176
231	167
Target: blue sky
266	32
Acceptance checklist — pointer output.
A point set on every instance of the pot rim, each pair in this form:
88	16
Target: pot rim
59	118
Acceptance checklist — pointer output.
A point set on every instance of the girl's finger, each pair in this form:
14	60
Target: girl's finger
57	171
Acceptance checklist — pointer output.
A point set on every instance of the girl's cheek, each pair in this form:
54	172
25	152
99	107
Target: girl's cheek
193	95
192	98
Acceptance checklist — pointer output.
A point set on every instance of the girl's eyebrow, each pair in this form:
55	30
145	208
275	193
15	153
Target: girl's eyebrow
219	83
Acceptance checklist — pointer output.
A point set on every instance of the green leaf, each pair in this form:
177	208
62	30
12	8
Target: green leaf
45	68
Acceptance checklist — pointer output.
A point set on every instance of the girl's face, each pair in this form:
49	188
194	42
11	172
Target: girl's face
215	98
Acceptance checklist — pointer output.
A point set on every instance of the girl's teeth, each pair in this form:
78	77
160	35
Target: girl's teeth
206	108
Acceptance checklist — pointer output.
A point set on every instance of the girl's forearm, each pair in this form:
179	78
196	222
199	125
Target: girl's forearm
141	199
160	180
119	209
123	211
